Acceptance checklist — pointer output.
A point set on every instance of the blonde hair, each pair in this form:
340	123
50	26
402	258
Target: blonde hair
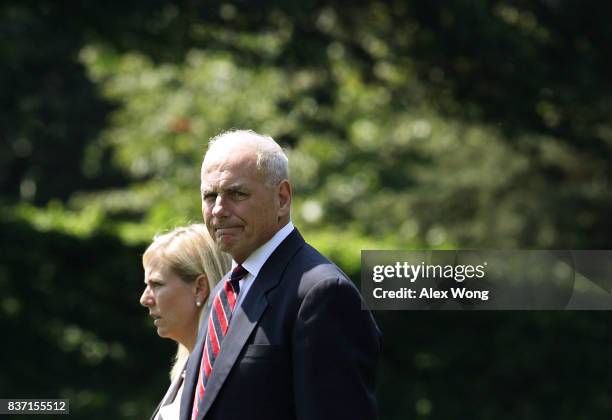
188	252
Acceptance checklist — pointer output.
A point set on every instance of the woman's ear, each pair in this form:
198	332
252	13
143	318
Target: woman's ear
201	288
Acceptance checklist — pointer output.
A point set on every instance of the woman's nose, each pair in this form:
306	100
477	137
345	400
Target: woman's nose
146	299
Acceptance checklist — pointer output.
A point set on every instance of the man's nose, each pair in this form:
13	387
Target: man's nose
146	299
219	208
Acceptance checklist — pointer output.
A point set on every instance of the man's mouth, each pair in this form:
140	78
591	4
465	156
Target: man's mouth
226	230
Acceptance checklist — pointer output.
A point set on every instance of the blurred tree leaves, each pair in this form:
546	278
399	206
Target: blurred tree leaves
73	327
419	124
418	113
408	125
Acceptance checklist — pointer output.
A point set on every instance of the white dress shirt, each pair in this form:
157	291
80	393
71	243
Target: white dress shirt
258	258
171	411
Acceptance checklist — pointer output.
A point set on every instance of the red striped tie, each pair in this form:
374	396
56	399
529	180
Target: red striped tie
218	322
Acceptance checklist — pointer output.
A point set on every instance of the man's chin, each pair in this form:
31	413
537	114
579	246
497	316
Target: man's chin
226	242
224	245
233	251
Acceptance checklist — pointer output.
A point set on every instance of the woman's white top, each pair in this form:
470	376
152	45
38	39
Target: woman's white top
171	411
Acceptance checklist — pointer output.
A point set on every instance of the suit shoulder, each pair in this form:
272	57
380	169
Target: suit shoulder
314	271
314	264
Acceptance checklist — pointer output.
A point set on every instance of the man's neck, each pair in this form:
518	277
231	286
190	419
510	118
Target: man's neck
258	257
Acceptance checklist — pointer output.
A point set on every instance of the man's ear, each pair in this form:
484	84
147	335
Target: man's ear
284	199
201	288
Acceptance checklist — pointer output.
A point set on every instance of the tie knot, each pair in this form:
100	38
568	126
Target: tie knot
238	273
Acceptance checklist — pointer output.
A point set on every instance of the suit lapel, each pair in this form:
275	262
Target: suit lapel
246	317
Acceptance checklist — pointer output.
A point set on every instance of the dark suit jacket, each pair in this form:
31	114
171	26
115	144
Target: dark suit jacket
299	347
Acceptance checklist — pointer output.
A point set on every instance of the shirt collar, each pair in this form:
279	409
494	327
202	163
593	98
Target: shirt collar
258	258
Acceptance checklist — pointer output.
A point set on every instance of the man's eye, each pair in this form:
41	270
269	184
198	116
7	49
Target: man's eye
210	197
239	195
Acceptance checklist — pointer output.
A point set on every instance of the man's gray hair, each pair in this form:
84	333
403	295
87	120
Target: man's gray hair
271	160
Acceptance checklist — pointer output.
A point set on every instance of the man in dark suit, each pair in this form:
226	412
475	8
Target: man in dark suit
286	336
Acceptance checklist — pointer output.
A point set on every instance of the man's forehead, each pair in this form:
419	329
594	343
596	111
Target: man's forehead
229	162
230	170
209	184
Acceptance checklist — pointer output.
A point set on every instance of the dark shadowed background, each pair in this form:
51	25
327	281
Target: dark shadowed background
409	125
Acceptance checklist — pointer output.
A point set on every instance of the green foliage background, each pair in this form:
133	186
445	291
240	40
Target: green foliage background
409	125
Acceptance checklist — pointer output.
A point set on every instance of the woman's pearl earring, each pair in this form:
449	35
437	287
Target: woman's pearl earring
198	303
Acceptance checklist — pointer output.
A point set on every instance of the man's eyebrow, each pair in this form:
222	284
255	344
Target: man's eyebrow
206	190
231	187
235	187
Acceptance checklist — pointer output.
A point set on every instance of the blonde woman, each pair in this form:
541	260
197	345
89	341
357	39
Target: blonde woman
181	268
